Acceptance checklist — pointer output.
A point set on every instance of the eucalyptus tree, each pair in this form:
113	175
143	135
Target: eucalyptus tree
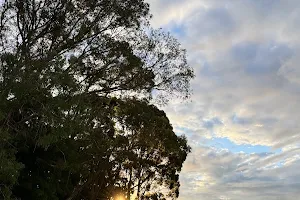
78	79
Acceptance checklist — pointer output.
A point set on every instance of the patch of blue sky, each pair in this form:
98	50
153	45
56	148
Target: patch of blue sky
279	164
225	143
176	29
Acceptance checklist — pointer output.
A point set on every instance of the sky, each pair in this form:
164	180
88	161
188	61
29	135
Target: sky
242	119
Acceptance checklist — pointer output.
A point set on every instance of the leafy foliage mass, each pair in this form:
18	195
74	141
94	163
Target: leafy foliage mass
76	81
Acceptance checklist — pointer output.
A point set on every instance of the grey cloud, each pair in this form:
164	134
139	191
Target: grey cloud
240	120
209	124
215	21
261	59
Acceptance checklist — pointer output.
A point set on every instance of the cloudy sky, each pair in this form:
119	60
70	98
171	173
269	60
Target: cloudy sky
243	118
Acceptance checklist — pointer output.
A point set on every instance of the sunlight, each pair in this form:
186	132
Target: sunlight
119	197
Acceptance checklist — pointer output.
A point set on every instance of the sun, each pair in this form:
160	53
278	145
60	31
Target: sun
119	197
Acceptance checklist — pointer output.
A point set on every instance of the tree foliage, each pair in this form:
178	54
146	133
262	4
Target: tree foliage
77	83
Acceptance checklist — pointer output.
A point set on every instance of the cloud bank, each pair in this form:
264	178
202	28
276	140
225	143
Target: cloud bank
242	121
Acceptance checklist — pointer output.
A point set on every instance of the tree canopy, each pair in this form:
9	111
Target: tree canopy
79	80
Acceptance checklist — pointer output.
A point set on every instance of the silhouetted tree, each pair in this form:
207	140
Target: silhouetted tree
76	81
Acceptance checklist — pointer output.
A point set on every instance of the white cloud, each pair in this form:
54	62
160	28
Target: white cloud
245	55
209	174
